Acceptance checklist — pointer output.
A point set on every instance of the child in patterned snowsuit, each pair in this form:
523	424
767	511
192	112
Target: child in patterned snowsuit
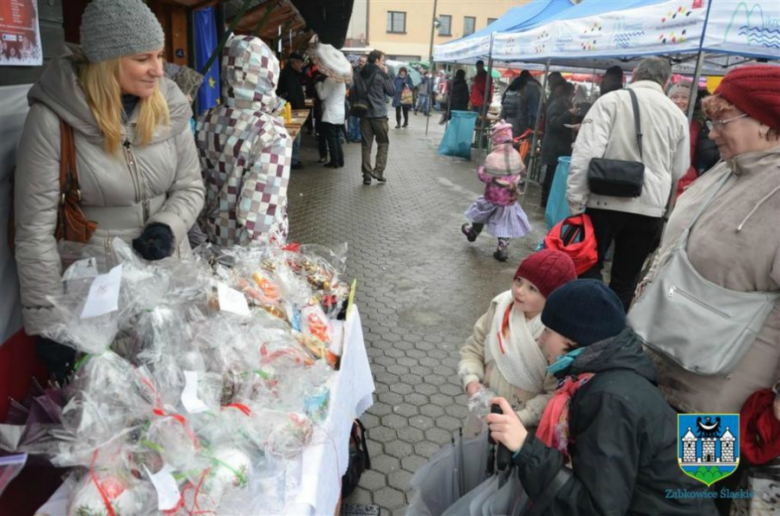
245	151
498	207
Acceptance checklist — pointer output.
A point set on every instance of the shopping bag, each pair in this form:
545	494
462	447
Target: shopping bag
574	236
457	138
472	501
407	97
557	206
453	471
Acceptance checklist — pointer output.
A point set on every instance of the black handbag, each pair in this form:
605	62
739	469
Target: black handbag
615	177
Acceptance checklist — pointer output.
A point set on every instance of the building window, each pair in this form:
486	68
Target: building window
396	22
491	20
469	24
445	25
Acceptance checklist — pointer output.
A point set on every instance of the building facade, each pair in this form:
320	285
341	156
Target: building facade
402	28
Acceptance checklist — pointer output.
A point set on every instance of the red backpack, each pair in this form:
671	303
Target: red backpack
574	236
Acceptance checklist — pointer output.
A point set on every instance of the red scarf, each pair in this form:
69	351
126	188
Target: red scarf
554	427
759	430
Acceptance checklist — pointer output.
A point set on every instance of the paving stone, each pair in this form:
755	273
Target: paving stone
391	398
411	379
449	423
407	362
373	480
426	389
400	479
425	449
394	421
380	409
398	369
420	370
384	434
431	410
389	498
421	422
434	379
401	388
369	420
360	495
442	400
410	434
416	398
395	353
458	411
398	449
406	410
385	464
438	436
450	390
413	463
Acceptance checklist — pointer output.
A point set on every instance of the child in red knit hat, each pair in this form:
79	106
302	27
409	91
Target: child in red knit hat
503	354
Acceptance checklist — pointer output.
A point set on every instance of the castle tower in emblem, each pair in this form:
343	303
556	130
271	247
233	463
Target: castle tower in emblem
727	446
689	447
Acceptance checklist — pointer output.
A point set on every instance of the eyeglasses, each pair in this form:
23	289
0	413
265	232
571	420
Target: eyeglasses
720	124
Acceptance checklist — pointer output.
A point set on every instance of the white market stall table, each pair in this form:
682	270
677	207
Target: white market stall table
322	464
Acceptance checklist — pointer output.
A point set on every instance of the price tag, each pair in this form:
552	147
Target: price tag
231	300
168	494
189	396
103	295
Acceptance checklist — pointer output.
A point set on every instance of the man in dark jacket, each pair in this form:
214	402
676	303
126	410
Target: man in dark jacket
620	433
376	85
291	90
558	138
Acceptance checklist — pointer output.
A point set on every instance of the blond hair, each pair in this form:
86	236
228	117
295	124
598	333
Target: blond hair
104	96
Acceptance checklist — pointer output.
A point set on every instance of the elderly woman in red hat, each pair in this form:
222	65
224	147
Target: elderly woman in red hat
734	243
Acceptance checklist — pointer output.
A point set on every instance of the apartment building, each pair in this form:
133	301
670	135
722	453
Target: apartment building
402	28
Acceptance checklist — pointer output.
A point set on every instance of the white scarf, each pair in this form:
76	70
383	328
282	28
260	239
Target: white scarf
521	362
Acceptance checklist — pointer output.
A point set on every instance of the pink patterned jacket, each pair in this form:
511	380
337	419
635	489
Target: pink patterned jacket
500	190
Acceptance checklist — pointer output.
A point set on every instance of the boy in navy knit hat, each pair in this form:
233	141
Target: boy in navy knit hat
607	417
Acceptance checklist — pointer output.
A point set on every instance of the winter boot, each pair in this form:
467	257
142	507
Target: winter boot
471	231
502	252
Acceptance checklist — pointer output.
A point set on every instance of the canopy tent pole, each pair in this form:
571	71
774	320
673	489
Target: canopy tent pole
534	140
695	86
432	66
485	101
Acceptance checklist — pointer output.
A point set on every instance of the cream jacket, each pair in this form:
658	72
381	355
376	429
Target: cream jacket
158	183
472	367
608	132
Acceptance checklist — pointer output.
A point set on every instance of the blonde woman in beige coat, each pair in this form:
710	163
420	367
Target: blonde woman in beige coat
136	159
503	354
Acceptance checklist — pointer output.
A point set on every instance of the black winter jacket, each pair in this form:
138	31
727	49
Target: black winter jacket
377	86
557	138
624	435
290	88
459	96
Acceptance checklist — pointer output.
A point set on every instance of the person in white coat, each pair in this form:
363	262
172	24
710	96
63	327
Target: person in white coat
608	131
332	93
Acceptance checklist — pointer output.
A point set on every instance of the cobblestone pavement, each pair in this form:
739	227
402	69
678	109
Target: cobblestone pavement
421	287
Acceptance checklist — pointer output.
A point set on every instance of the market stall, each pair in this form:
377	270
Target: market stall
223	381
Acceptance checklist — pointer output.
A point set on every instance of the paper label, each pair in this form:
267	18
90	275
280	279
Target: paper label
231	300
168	495
81	269
103	295
189	396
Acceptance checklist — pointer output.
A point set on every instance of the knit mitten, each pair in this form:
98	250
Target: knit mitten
155	243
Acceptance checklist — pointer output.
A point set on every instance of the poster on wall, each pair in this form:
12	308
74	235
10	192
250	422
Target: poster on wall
20	36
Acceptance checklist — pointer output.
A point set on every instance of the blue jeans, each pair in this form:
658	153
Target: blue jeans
296	150
424	104
354	129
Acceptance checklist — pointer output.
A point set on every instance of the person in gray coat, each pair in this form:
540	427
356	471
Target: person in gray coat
137	164
377	85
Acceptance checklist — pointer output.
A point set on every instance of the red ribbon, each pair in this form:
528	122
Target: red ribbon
103	495
243	408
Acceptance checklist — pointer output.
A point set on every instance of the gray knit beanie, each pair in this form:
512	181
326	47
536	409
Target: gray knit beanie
117	28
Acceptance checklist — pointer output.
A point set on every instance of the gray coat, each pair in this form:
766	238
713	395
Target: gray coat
378	89
158	183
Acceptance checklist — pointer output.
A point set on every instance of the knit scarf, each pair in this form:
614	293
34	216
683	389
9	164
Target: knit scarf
554	427
511	343
759	430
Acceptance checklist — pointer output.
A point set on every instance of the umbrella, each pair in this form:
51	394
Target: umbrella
330	61
396	65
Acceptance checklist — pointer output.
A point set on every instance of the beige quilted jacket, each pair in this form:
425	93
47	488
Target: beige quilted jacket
159	183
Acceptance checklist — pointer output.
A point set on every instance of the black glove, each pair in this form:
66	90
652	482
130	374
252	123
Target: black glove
58	358
155	243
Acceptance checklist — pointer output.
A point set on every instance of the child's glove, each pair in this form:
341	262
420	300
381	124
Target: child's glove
155	243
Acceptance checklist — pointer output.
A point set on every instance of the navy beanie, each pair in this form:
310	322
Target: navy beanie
584	311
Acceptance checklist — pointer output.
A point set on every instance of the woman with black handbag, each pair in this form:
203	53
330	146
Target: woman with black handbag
138	173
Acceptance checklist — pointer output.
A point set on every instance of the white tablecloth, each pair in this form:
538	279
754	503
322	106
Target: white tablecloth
324	462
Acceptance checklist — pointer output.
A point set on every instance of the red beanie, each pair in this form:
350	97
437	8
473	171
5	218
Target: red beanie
756	91
547	270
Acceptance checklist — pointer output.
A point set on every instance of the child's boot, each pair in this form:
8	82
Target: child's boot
502	252
471	231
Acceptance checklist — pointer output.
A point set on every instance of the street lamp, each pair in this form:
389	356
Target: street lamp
434	25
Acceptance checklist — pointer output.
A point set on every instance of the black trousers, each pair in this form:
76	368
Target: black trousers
405	110
332	133
635	237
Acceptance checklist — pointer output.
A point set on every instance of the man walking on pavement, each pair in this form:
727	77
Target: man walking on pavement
479	93
377	85
354	122
424	91
608	131
291	90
